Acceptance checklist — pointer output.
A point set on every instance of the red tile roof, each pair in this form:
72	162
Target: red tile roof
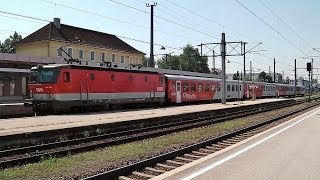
78	35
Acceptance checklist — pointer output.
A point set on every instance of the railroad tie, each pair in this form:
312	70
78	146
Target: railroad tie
206	150
200	153
192	156
124	178
232	140
175	162
184	159
155	170
143	174
212	148
165	166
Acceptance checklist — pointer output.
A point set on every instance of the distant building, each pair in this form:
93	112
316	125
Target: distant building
83	44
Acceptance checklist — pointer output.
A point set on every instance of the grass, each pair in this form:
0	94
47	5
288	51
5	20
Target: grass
84	163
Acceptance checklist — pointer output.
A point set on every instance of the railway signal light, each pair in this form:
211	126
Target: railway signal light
309	66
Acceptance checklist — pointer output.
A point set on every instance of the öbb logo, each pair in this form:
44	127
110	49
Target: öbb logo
39	89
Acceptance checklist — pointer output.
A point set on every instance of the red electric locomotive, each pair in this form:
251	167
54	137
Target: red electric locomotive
64	87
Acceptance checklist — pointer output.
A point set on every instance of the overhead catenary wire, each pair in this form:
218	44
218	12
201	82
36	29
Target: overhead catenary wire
113	19
298	35
165	19
271	27
210	20
129	38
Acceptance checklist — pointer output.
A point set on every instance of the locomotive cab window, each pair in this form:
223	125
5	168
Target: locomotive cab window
66	77
185	87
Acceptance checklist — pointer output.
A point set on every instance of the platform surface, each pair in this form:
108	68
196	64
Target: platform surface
289	151
43	123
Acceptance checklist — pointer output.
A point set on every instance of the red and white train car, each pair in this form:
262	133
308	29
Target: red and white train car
62	87
182	89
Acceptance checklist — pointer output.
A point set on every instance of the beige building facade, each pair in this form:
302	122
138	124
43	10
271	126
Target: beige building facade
82	44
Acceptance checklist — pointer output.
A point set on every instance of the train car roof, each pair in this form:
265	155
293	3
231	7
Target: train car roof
103	68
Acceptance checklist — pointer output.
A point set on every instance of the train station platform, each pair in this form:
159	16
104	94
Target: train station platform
288	151
13	108
51	122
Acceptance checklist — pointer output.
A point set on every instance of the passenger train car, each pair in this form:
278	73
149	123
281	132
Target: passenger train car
65	87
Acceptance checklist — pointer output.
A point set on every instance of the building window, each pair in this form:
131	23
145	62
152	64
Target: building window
92	55
70	51
80	53
122	59
103	57
113	58
59	52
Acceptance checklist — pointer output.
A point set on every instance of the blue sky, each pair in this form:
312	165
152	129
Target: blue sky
181	22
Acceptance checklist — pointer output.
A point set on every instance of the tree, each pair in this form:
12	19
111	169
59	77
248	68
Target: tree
8	46
189	60
145	61
264	77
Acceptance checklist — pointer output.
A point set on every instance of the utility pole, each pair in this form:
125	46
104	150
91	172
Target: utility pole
295	77
244	60
201	49
250	71
151	34
311	75
283	80
274	70
223	57
214	61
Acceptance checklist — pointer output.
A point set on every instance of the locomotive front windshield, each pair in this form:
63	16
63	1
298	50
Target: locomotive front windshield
42	76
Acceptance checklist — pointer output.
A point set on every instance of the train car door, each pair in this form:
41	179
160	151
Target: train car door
178	92
84	87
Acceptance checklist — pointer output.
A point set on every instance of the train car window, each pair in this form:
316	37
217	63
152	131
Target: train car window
185	87
92	76
236	87
66	77
174	85
113	77
228	87
146	79
178	86
219	88
161	80
200	87
240	87
233	89
193	87
207	88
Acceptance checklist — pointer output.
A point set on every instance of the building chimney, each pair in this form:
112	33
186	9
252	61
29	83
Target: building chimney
56	22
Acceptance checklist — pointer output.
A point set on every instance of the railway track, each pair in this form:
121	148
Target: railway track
155	166
22	155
